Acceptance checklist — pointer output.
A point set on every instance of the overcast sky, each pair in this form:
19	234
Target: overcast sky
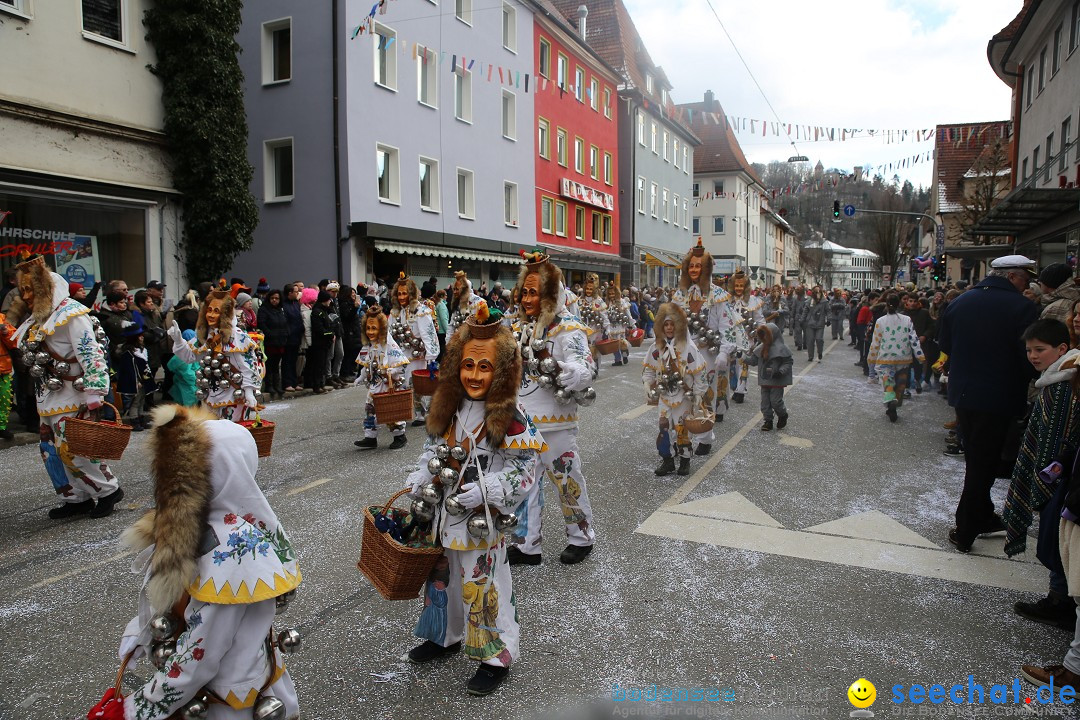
882	64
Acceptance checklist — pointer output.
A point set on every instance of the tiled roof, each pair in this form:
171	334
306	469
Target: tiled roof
569	25
1001	44
956	148
1009	31
719	151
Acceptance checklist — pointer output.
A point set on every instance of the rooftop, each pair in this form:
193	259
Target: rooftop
719	151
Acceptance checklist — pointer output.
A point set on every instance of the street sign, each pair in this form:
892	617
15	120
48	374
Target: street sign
849	210
798	158
940	239
886	269
792	273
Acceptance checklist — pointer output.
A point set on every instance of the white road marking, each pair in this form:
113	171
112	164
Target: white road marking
309	486
798	442
872	525
78	571
636	412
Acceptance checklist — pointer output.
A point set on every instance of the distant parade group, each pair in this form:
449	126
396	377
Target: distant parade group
502	415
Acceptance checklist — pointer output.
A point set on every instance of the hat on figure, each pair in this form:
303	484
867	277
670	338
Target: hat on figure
1014	262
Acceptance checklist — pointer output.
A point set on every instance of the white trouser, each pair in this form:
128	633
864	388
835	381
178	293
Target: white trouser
85	478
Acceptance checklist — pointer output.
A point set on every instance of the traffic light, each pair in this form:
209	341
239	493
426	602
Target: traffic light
836	209
939	268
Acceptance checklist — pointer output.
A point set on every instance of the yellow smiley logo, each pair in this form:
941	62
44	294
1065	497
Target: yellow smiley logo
862	693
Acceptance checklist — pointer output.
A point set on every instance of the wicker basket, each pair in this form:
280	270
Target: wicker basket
393	406
263	432
397	571
636	337
424	382
698	426
607	347
100	440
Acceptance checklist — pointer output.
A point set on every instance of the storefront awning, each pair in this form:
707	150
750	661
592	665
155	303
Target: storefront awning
435	251
978	252
659	258
584	259
1025	209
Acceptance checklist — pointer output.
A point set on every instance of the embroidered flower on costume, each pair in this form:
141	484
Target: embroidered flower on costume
230	519
250	517
198	653
174	671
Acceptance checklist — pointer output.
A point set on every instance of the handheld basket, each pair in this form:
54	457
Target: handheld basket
698	426
607	347
424	382
397	571
101	440
393	406
636	337
263	432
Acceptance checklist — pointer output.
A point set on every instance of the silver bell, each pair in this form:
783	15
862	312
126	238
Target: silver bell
537	345
62	367
653	394
198	372
442	451
434	465
268	707
454	507
422	511
477	526
238	394
517	336
216	372
42	358
206	360
162	627
695	326
549	366
586	397
448	476
161	653
533	367
100	335
418	354
236	380
33	345
505	523
196	709
288	641
79	384
220	357
54	384
545	381
215	363
36	371
563	396
281	602
200	394
430	493
203	383
458	453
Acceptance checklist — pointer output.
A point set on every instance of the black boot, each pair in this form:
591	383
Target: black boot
684	466
367	443
737	397
781	422
890	410
487	679
703	449
767	425
428	651
516	557
71	509
6	434
719	417
573	554
399	442
666	467
105	504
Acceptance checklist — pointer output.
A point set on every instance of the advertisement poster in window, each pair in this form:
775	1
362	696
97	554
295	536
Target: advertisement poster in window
80	263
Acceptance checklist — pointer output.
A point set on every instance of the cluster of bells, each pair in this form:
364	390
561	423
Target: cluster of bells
375	376
703	336
403	334
619	316
546	372
444	476
49	372
163	631
214	371
668	383
589	314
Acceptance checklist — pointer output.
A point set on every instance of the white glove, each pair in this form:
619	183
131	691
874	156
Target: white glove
471	496
174	333
570	377
249	398
415	480
93	402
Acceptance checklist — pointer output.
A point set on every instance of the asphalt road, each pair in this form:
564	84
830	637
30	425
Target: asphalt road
786	567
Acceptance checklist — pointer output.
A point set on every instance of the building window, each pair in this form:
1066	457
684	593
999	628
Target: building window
1042	69
718	226
509	115
560	218
686	213
1035	164
641	129
104	19
718	188
543	137
1049	155
594	162
18	7
664	142
1030	85
1066	139
563	72
607	229
278	170
1074	27
607	103
665	210
388	174
427	68
655	137
695	189
676	208
429	184
560	147
510	204
607	168
579	223
654	190
641	194
385	57
546	204
579	155
545	58
509	27
697	226
579	84
463	94
466	198
594	94
276	51
648	83
1056	61
685	161
675	152
463	11
597	227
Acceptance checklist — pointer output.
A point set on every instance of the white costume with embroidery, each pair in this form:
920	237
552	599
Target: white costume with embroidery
420	320
593	315
715	304
461	314
748	316
247	561
565	341
244	357
469	596
377	362
68	335
676	404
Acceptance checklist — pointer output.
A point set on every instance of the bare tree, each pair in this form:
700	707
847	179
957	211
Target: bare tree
984	185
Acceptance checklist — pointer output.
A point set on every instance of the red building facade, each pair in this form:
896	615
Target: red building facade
576	150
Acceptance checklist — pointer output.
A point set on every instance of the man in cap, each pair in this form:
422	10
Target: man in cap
988	378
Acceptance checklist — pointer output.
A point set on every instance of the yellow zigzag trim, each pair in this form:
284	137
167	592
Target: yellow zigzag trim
253	694
474	544
544	419
243	595
59	411
527	445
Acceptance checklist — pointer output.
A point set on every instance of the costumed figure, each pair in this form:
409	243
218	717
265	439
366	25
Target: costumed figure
558	368
838	308
62	345
797	309
711	323
817	318
593	314
7	374
230	364
619	323
676	377
746	309
382	368
774	362
412	325
218	566
465	302
775	308
482	457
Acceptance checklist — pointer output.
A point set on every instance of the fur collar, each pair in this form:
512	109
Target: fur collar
45	295
673	311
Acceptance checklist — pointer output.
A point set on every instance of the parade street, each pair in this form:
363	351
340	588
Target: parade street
786	566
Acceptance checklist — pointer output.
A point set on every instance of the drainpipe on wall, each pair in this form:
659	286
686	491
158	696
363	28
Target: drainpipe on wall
339	240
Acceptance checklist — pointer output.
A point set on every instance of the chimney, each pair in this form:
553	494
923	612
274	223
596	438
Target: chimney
582	13
709	100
